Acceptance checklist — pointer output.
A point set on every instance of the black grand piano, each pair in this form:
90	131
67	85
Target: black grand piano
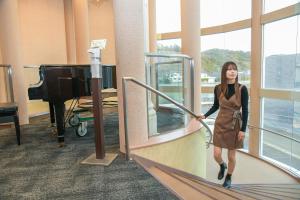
59	83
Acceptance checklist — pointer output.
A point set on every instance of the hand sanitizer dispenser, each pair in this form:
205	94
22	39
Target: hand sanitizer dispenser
95	57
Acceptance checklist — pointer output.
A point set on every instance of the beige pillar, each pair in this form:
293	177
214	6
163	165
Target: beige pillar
131	43
190	42
81	21
70	34
12	52
2	85
255	85
152	25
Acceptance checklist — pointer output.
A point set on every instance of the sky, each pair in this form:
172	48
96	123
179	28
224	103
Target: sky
168	20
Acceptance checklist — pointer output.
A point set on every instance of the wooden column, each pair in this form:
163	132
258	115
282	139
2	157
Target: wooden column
190	42
152	25
255	85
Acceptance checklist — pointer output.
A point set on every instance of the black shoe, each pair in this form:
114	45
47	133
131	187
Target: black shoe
223	167
227	182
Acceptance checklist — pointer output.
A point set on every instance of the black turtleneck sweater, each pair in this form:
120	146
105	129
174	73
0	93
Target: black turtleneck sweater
230	92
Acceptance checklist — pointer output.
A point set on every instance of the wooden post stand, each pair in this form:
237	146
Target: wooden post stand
98	117
98	158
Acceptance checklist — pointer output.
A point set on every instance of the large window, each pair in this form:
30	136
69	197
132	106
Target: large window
281	73
282	54
217	49
283	117
168	17
271	5
218	12
280	68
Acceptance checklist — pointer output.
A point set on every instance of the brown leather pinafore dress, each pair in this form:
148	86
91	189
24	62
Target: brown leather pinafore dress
228	122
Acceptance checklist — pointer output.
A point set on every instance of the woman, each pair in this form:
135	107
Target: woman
230	124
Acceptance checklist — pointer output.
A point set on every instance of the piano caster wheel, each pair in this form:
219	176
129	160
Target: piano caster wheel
74	120
82	129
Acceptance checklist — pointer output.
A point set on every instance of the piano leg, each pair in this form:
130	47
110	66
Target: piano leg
52	117
59	115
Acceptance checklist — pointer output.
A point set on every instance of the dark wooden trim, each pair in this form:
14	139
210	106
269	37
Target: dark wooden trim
98	117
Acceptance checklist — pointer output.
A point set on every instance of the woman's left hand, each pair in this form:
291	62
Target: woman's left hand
241	135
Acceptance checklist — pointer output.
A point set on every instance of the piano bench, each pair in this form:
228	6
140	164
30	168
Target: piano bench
9	113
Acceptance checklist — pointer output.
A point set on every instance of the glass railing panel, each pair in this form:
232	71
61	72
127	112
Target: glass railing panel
165	117
172	75
170	80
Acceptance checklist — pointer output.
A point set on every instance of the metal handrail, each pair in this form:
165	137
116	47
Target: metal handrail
268	130
274	132
168	55
169	62
10	81
124	79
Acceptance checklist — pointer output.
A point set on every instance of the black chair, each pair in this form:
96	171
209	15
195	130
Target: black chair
9	113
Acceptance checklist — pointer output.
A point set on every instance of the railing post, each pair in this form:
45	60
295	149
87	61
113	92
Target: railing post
124	89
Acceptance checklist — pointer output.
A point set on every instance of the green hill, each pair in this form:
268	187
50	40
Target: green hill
213	59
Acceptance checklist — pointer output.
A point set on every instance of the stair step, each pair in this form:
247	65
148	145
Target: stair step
216	190
280	193
187	186
180	189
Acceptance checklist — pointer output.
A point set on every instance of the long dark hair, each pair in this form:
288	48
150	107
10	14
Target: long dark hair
224	83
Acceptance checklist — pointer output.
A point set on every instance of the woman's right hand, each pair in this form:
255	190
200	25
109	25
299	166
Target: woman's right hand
200	117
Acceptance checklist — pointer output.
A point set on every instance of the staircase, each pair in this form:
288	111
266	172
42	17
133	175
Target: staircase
187	186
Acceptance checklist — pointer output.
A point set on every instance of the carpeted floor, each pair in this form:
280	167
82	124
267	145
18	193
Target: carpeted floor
38	169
